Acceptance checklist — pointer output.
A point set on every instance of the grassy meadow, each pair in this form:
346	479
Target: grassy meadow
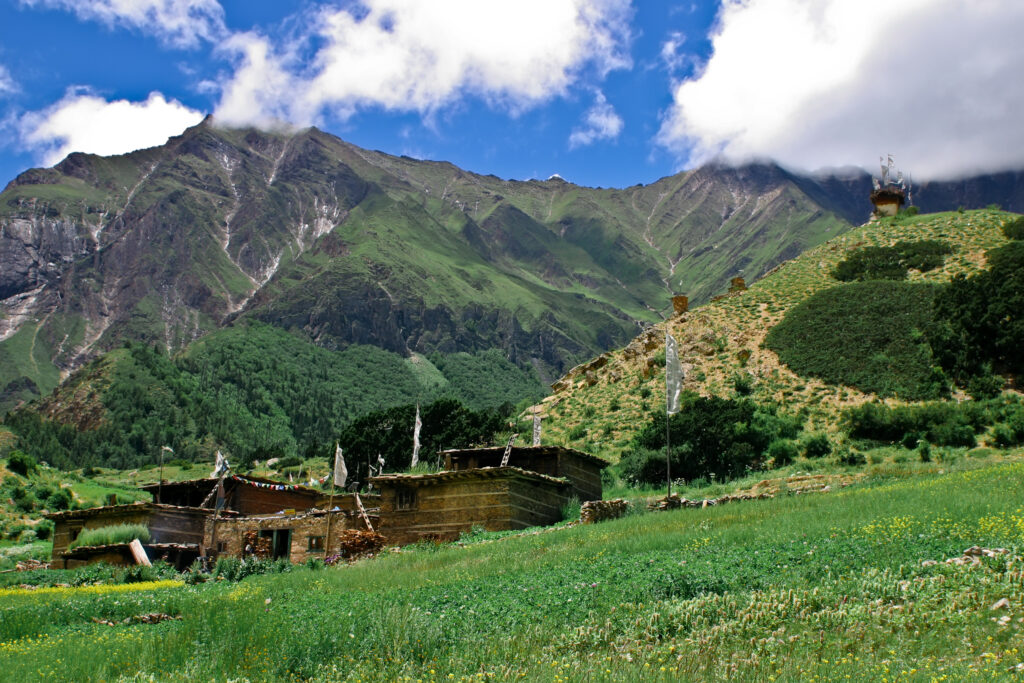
846	585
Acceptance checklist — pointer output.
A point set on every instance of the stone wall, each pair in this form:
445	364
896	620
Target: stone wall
228	536
594	511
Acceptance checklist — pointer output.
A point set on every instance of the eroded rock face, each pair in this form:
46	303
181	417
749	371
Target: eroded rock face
35	250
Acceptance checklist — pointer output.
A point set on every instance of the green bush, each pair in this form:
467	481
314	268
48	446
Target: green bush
58	500
924	451
891	263
985	385
979	320
710	437
109	535
816	446
782	452
943	424
867	335
849	456
21	463
1014	230
742	384
44	530
577	432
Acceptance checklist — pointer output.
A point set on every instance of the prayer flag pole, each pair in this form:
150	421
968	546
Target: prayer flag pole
673	390
340	471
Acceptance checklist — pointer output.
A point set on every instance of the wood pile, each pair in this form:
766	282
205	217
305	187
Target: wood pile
594	511
30	565
356	543
255	545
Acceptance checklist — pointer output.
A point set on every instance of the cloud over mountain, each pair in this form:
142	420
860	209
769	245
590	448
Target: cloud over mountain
405	55
816	83
84	122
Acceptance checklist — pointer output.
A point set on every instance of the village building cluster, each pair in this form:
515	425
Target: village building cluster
239	515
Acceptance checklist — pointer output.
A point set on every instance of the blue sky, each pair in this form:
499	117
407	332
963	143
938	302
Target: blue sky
601	92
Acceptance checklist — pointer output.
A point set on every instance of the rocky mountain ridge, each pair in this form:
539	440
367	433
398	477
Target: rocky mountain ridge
345	245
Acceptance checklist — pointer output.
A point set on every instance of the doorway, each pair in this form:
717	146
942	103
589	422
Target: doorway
280	542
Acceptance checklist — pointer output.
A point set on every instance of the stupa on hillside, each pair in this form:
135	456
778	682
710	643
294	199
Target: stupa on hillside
890	192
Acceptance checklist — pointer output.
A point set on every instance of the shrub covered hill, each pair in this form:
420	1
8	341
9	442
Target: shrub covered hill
904	330
348	246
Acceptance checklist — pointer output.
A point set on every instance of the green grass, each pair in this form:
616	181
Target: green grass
824	585
110	535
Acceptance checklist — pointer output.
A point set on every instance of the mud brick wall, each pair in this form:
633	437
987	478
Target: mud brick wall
177	526
582	471
250	500
232	532
584	476
445	508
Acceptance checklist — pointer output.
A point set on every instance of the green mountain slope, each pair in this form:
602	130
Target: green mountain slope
350	246
848	343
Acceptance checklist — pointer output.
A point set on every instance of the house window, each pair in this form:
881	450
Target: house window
222	546
73	533
316	542
405	498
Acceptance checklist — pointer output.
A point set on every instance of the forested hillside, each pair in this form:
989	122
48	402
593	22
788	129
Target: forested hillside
253	391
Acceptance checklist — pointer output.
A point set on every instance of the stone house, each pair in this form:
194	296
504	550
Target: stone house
244	514
476	490
176	533
582	470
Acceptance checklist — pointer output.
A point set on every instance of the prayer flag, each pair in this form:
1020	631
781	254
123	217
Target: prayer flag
221	466
340	471
536	428
673	375
416	438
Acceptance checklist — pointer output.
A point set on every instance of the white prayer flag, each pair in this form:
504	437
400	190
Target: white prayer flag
221	466
416	438
380	464
673	375
536	429
340	471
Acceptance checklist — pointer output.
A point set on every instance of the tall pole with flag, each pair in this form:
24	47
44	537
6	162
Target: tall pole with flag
673	393
338	477
417	426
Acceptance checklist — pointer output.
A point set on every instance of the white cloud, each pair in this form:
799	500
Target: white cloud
599	123
671	55
182	23
83	122
815	83
7	84
409	55
260	92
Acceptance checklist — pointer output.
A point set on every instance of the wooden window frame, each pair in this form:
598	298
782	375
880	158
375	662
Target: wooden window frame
405	498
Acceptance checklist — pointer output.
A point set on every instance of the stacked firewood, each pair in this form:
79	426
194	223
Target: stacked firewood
357	542
255	545
601	510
